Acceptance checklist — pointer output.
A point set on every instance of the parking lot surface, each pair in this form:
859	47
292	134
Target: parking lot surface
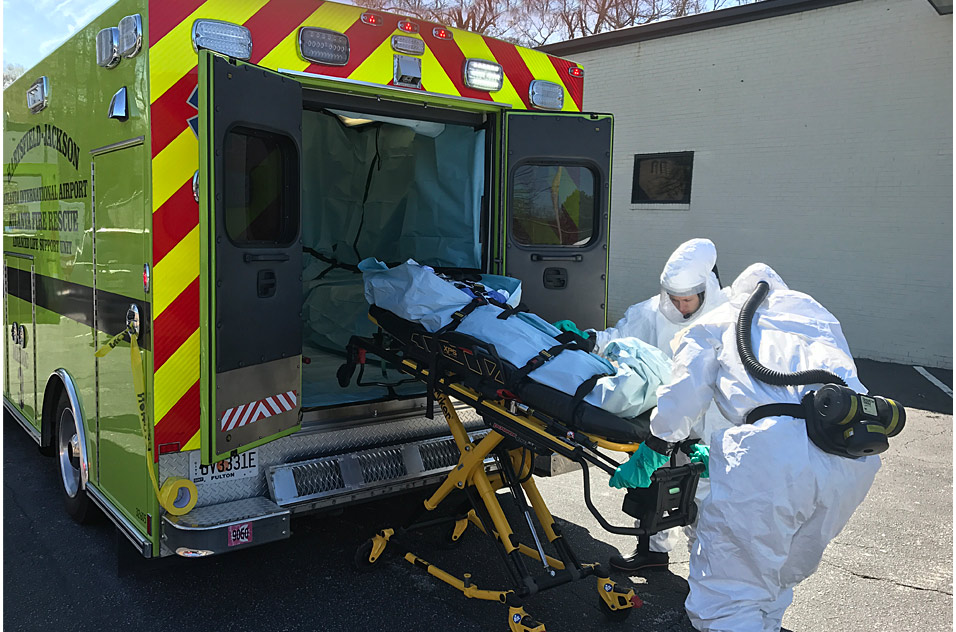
890	569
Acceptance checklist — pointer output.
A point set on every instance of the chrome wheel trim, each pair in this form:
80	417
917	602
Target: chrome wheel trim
68	453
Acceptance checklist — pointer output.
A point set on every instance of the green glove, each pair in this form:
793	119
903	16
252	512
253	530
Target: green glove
638	469
568	325
700	453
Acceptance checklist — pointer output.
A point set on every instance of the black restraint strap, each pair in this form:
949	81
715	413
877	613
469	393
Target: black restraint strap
507	310
773	410
545	355
459	316
582	391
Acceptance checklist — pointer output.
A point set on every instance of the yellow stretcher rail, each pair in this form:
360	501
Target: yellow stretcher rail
515	432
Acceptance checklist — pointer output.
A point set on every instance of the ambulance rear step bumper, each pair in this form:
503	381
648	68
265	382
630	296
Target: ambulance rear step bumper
345	478
225	527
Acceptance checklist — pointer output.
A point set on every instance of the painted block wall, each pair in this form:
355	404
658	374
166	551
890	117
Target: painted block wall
823	146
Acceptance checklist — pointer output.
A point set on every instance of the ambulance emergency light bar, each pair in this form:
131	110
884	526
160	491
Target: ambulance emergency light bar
546	95
115	43
323	46
483	75
221	37
130	35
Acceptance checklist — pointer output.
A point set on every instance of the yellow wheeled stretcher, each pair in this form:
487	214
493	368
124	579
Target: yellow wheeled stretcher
455	365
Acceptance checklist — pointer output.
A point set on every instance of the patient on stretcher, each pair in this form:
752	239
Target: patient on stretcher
623	383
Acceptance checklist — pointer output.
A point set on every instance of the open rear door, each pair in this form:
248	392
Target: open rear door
251	255
557	185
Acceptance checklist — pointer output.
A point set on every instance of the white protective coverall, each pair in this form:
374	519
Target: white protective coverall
689	270
776	500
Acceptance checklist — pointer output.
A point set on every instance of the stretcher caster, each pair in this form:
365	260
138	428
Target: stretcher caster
616	602
520	621
369	551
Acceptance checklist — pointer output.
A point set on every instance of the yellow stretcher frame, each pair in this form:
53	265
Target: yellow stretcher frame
508	423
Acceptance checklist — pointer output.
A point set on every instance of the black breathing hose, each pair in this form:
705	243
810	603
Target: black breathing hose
757	370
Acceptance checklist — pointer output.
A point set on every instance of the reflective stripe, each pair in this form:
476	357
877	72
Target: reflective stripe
174	165
176	377
173	56
175	272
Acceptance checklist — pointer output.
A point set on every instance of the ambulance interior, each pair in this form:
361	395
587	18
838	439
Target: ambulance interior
385	187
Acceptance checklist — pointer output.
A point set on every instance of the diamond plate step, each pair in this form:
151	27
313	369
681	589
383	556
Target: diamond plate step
225	527
334	479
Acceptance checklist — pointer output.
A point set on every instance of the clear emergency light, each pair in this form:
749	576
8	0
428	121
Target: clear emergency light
410	45
130	35
546	95
38	95
323	46
483	75
107	47
232	40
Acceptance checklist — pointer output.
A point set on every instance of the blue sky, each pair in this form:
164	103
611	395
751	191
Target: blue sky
32	29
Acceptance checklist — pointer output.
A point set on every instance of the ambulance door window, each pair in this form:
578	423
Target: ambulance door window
552	205
258	210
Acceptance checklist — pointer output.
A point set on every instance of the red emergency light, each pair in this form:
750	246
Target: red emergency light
442	33
408	27
372	19
576	71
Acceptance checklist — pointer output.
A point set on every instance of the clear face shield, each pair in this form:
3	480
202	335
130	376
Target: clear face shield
679	305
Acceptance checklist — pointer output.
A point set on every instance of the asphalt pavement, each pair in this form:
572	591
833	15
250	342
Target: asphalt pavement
891	569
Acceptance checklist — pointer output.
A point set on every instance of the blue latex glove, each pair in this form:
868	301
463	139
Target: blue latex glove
638	469
568	325
700	453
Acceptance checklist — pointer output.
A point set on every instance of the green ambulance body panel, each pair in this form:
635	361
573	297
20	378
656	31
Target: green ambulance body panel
49	226
78	253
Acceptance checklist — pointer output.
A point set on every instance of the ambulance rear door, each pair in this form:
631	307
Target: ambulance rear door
251	255
556	194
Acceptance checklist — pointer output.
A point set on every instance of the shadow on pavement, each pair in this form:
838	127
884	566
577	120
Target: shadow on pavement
906	385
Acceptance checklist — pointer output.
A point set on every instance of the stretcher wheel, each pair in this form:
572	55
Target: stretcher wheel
362	553
613	615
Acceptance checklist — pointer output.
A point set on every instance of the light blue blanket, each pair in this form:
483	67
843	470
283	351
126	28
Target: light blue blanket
633	369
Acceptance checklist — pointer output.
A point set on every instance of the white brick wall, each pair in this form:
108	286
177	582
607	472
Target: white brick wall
823	146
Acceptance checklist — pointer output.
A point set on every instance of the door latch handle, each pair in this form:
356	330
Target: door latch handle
132	319
537	257
277	256
266	284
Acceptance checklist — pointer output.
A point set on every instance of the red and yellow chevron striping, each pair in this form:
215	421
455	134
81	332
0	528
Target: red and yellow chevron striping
274	26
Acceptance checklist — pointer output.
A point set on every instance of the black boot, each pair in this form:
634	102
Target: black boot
641	559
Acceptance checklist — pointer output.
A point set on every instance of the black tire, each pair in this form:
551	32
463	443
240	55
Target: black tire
361	561
75	500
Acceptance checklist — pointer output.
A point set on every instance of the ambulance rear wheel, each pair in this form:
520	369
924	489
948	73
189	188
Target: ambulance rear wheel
68	461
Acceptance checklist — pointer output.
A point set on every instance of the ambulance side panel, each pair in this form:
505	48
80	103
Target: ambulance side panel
76	234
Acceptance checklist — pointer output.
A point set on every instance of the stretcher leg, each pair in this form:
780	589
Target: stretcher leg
515	473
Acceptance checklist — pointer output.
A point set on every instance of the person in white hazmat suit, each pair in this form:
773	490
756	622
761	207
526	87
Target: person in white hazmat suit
776	499
689	290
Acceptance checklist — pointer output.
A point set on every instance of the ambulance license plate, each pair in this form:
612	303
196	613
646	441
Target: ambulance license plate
243	465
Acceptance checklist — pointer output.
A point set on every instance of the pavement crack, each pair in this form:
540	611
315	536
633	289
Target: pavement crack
887	579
